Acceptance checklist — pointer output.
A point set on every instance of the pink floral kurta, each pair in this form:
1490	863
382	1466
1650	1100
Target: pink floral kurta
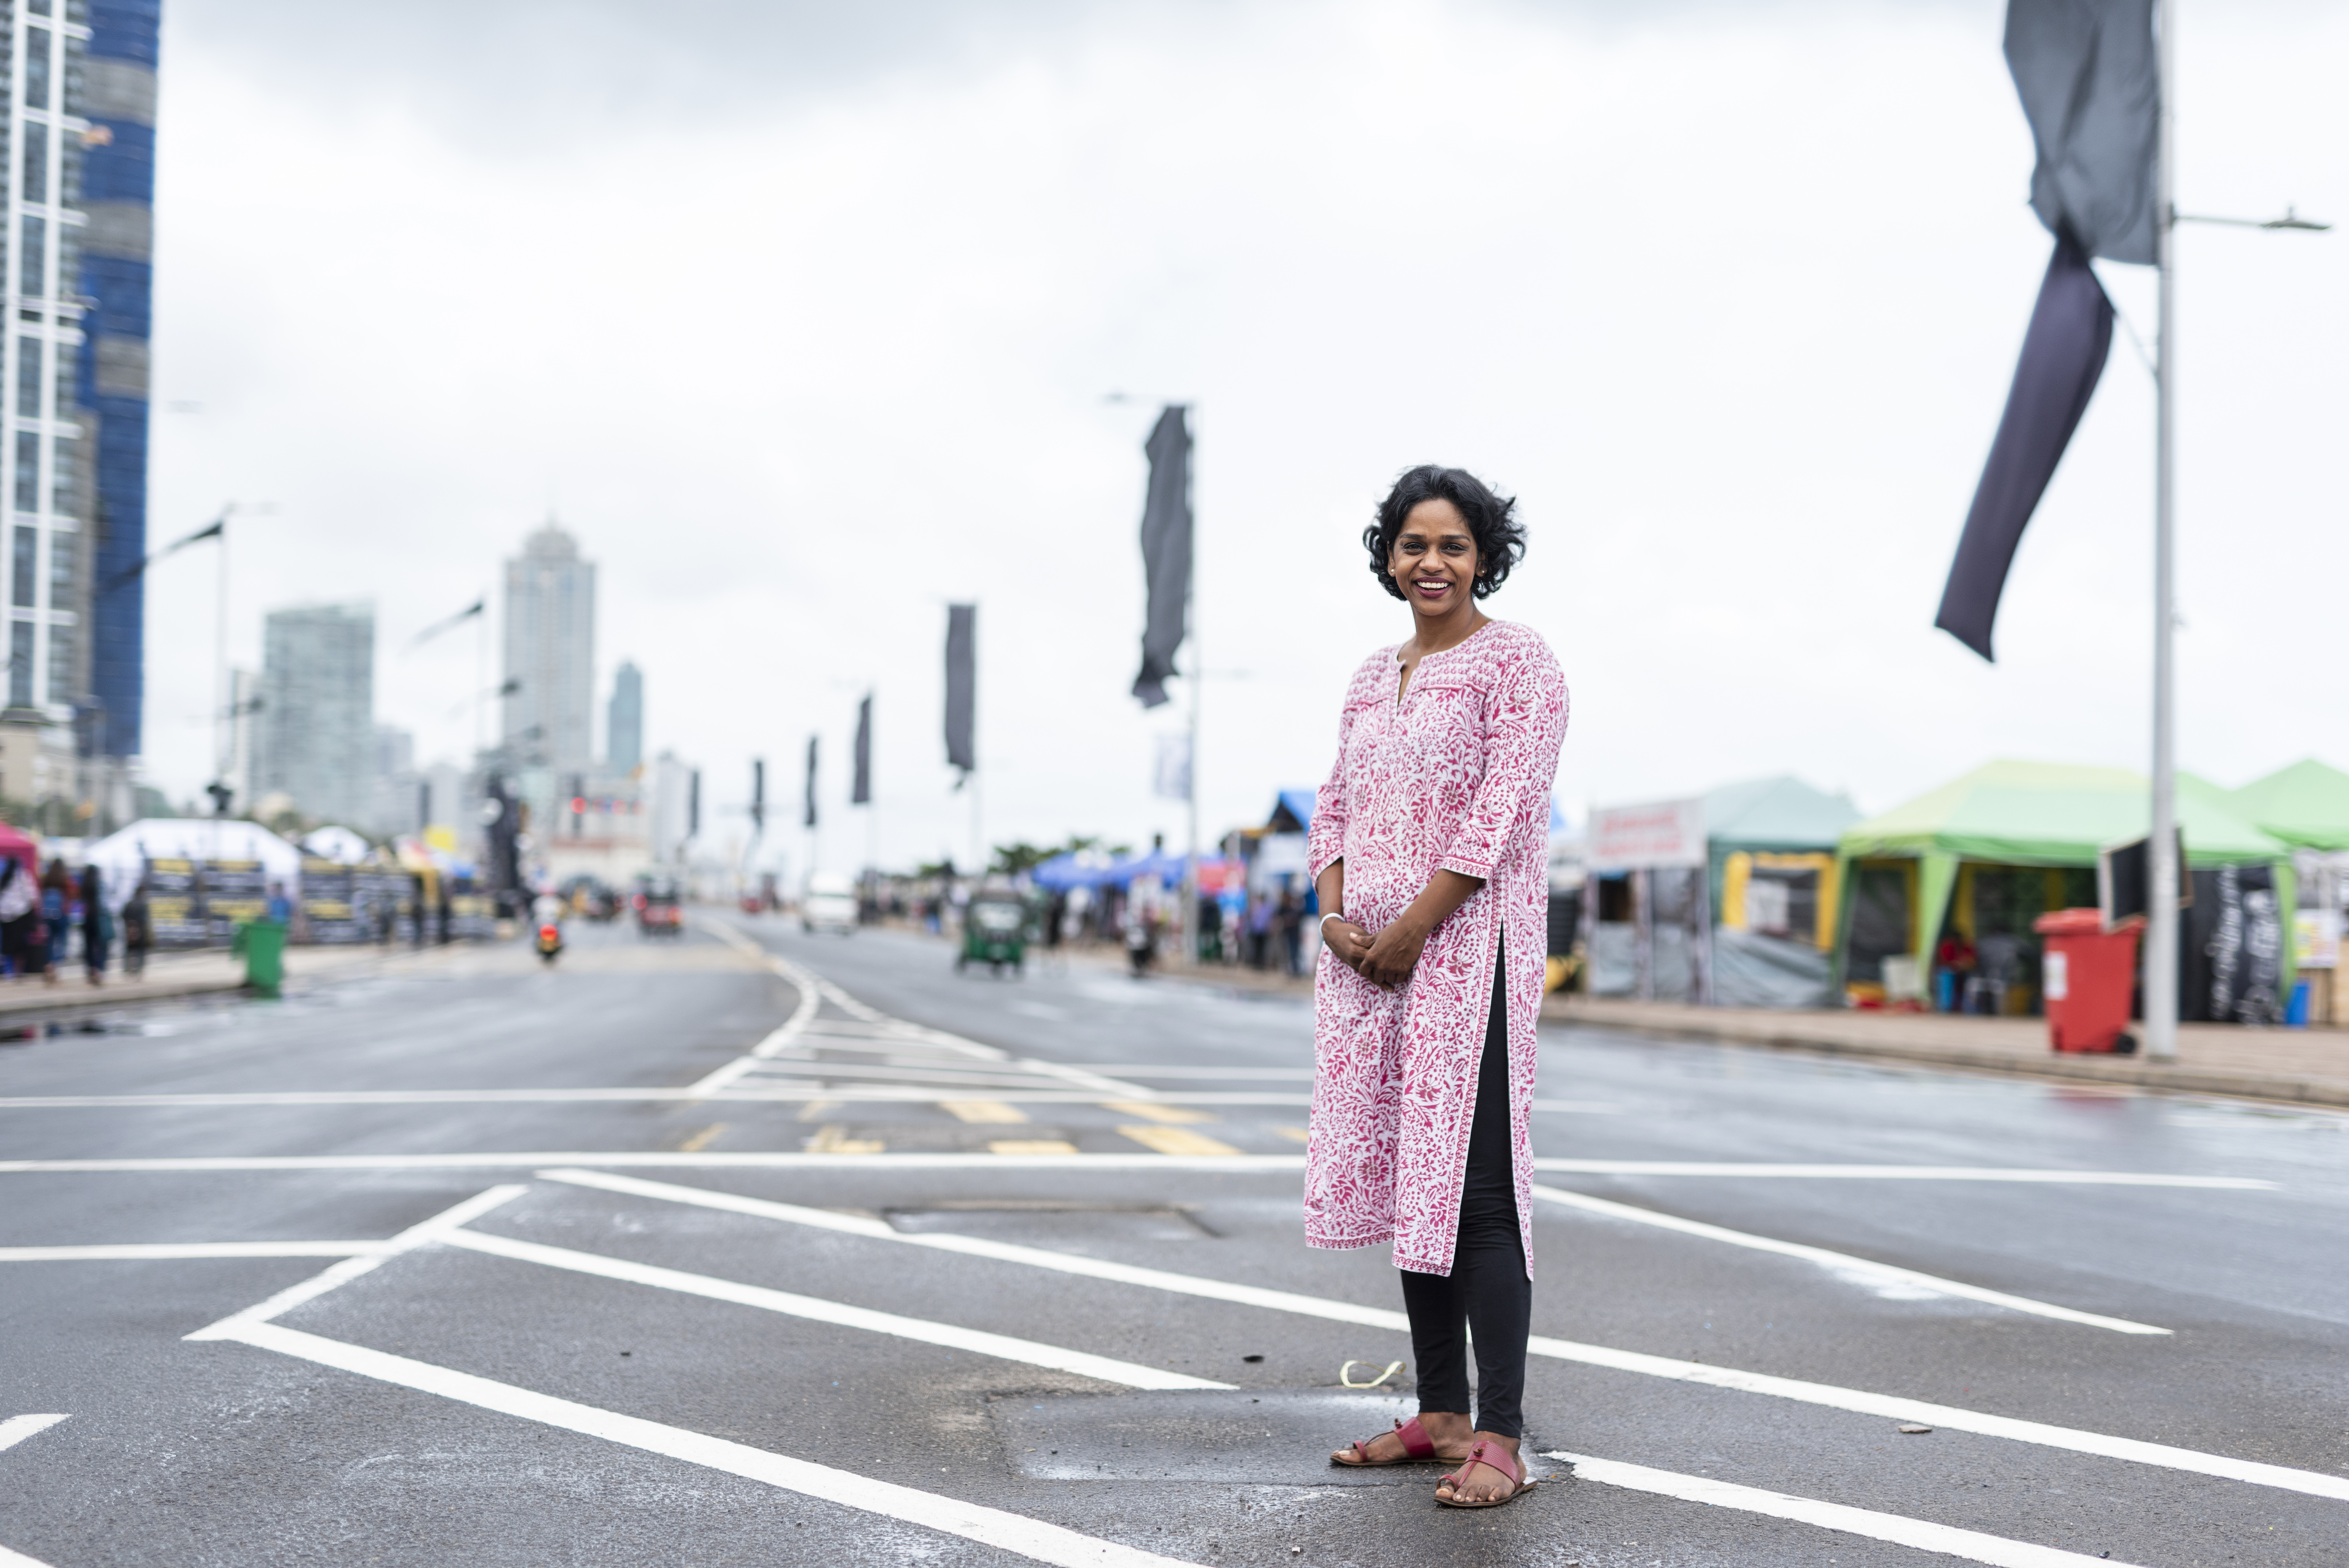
1454	776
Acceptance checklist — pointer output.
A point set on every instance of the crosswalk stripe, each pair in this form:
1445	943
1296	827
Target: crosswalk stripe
1971	1546
1002	1347
1177	1141
1014	1533
1858	1401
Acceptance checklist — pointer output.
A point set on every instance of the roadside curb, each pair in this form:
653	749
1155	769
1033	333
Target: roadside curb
2129	1071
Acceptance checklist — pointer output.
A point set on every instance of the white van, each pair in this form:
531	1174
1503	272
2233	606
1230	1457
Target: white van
828	905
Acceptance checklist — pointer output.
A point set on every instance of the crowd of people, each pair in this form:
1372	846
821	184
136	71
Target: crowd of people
39	916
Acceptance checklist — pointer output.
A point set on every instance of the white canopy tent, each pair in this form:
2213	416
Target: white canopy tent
121	857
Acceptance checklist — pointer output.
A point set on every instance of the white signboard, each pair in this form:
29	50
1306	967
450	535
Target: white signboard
1661	833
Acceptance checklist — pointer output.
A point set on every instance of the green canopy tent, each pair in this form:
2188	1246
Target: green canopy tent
2306	805
2031	814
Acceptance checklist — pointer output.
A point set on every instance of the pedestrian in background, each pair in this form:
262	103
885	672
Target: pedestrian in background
137	932
20	917
96	925
56	908
1429	848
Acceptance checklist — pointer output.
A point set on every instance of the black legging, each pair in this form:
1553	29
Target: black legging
1487	1290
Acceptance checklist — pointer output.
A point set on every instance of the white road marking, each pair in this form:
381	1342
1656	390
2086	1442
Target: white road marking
1227	1165
826	1080
1860	1401
19	1560
141	1251
1030	1538
1001	1346
1898	1173
1864	1270
16	1428
1971	1546
349	1269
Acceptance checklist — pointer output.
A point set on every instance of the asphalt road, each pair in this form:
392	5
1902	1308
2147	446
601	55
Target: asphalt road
680	1254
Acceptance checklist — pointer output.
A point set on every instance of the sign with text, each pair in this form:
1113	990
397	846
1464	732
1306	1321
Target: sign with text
1661	833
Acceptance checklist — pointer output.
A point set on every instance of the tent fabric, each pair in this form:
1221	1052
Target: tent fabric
1297	805
337	844
1751	969
2306	804
25	849
1781	812
2043	813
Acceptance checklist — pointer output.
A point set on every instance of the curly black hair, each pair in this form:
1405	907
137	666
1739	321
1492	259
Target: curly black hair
1491	519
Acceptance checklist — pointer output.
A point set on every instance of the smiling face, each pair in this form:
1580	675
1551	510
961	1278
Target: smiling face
1434	560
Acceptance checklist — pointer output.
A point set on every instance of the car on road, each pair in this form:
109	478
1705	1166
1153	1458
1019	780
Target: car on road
828	905
661	907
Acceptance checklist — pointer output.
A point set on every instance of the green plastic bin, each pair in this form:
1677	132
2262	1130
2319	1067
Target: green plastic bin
262	944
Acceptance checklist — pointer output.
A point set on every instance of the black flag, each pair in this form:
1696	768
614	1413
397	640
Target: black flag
962	686
861	792
810	783
2063	356
1165	552
2090	81
2089	78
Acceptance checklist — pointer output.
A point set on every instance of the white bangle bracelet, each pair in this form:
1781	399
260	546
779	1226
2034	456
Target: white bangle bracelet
1333	915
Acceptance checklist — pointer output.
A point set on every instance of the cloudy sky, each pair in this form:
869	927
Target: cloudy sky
800	316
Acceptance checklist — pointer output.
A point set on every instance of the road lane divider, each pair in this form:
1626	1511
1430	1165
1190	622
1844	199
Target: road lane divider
349	1269
1002	1347
1171	1115
1898	1173
1925	1536
1862	1271
1857	1401
1014	1533
141	1252
1259	1163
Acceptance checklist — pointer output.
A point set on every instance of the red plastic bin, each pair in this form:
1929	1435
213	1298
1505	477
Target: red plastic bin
2088	976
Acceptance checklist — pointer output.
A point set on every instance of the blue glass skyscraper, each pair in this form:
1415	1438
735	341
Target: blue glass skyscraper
116	101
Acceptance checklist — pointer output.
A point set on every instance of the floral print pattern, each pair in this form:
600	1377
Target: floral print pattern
1454	775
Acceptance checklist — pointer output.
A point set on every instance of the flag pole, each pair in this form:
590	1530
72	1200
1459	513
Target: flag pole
1191	932
2161	856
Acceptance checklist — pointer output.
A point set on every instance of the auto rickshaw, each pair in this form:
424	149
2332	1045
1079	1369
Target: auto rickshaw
994	933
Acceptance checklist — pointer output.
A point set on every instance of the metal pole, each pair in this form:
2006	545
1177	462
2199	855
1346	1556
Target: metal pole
221	720
2161	927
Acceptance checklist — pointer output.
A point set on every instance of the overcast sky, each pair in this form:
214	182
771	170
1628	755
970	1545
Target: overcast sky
800	316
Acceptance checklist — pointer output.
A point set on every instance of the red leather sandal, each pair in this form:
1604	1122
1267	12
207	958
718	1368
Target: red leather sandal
1416	1448
1521	1480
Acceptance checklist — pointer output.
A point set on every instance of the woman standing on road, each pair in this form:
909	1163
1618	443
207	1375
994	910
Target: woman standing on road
1430	854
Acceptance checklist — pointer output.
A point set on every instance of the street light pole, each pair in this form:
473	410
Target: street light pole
2161	851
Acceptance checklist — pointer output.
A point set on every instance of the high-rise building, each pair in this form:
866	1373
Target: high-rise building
624	731
80	184
317	739
550	668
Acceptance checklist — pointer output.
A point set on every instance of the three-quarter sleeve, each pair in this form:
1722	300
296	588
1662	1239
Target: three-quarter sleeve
1524	726
1325	836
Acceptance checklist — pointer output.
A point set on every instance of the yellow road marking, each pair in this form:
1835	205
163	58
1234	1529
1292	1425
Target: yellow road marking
1176	1141
1173	1115
1030	1146
1301	1134
817	1110
701	1139
982	1110
834	1139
